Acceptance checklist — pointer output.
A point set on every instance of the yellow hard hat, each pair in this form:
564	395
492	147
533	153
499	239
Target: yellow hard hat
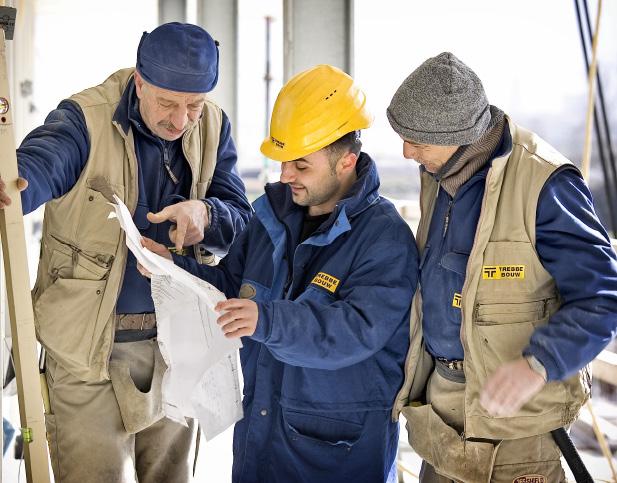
314	109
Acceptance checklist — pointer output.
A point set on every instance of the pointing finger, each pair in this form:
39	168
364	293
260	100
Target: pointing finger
167	213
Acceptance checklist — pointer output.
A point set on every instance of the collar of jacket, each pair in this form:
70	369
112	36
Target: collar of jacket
362	194
121	115
504	147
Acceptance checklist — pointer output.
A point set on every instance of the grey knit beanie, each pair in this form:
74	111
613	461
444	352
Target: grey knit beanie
442	102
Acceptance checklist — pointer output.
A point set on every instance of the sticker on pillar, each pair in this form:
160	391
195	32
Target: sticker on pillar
326	281
503	272
456	301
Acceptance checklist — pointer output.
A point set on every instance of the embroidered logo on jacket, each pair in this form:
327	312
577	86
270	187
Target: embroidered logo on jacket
326	281
500	272
530	479
456	301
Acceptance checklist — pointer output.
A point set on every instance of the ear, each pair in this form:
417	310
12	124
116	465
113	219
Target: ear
348	163
139	85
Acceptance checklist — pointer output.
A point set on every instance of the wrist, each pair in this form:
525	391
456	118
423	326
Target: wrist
207	214
536	366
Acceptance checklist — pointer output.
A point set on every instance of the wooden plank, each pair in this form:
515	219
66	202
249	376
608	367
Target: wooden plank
604	367
18	295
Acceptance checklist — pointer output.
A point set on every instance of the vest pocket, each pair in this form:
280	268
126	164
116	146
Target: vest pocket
95	230
65	315
503	330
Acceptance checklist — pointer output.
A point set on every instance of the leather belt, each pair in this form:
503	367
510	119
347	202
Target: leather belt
135	321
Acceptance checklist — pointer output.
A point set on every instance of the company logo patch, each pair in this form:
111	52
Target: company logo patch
530	479
501	272
326	281
247	291
277	143
456	301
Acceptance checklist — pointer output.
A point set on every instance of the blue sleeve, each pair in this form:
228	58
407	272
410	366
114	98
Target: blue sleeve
575	249
230	210
52	157
227	275
373	302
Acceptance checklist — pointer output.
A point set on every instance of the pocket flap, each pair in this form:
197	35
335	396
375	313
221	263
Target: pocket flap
443	448
456	262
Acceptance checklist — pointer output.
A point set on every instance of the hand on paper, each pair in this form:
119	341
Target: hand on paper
154	247
190	218
239	318
5	200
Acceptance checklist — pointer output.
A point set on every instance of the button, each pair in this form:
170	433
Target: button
263	412
91	198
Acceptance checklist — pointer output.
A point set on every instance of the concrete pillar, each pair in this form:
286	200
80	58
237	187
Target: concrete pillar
317	32
220	19
172	11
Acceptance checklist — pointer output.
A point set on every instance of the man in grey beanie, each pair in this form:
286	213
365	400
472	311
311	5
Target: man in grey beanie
150	135
517	285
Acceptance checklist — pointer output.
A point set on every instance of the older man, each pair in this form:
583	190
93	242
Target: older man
518	285
151	136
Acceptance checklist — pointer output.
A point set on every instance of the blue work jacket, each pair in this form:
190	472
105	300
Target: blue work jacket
326	360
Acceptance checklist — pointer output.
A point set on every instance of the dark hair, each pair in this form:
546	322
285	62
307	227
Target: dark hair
349	143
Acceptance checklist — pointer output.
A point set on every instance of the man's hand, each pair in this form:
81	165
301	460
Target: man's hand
5	200
512	385
191	219
154	247
239	319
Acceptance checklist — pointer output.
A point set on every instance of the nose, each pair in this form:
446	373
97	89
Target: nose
179	118
408	150
287	172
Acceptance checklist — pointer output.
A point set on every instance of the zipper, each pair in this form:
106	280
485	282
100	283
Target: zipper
76	251
167	164
447	219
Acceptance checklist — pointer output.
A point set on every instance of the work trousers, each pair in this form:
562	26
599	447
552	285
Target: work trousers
527	460
88	439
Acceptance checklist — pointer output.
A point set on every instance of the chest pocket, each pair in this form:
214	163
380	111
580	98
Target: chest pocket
96	231
455	262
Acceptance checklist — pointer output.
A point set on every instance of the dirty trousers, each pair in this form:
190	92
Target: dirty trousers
88	439
527	460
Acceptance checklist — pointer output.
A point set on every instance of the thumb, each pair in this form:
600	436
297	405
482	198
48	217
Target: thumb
165	214
22	184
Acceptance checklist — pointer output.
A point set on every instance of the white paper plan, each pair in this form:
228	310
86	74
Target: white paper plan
202	379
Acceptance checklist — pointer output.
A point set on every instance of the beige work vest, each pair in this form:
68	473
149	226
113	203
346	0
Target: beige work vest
83	254
501	307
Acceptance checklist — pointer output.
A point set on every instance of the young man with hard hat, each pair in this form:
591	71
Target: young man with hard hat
149	135
319	287
518	285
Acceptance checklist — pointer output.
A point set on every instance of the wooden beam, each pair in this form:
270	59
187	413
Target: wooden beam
604	367
18	295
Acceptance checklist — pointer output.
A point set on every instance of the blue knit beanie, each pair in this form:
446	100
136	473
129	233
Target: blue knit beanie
179	57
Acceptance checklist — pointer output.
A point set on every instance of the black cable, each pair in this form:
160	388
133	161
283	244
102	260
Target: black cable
608	180
607	131
562	438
